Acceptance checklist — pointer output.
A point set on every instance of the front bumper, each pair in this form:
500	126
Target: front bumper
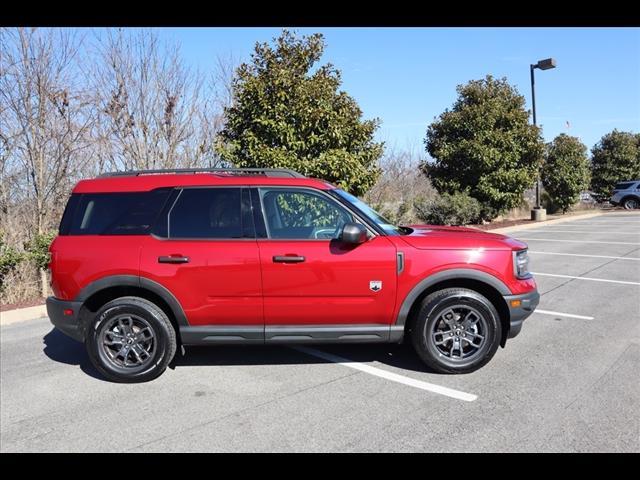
518	314
68	324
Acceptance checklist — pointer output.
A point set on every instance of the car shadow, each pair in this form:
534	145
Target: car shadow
62	349
401	356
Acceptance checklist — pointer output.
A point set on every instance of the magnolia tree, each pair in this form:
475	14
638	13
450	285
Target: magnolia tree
485	146
565	172
616	157
288	112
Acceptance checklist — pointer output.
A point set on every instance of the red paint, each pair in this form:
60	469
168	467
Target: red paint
331	285
145	183
220	285
230	282
81	260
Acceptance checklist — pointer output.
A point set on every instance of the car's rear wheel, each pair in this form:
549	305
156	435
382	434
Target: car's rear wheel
630	203
456	330
131	340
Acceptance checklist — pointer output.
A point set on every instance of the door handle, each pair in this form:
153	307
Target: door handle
288	259
173	259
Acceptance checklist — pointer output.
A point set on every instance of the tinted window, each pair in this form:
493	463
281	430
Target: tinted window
131	213
207	213
301	214
623	186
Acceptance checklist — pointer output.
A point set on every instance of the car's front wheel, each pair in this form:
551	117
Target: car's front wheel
631	203
131	340
456	330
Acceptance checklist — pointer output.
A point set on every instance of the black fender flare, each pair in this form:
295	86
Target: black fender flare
135	281
453	274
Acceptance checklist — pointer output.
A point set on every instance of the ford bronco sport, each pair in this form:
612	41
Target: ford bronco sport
147	261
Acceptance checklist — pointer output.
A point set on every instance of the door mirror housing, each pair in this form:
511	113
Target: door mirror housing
354	233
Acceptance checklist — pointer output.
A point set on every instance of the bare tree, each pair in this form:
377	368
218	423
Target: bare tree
45	121
70	109
154	111
400	185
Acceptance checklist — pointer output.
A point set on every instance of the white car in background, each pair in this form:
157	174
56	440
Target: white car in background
626	194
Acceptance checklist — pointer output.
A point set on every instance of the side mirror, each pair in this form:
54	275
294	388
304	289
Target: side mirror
354	233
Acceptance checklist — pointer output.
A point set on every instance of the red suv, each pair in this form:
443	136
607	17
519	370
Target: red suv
147	261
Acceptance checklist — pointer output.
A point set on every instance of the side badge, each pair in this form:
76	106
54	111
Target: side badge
375	285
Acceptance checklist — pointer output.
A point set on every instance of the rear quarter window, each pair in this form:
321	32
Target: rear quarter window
129	213
623	186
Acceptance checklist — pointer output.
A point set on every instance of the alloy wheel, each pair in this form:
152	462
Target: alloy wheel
128	341
631	204
459	333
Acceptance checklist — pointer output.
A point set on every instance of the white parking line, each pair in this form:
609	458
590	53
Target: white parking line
560	314
591	224
584	255
394	377
585	278
585	231
576	241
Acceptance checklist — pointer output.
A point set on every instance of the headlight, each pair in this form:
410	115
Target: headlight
521	264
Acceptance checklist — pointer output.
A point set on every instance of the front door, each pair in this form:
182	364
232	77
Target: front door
309	276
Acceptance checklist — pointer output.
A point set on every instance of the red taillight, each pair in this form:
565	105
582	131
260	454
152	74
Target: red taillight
68	312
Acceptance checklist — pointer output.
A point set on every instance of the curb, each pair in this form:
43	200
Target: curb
554	221
22	314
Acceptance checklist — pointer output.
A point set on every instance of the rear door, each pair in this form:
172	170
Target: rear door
309	276
205	253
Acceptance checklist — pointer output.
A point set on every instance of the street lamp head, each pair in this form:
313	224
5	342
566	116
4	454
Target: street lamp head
546	64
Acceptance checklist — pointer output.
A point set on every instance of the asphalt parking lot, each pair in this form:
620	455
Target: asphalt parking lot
569	382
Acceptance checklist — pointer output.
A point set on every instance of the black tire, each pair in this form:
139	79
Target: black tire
150	328
430	322
630	203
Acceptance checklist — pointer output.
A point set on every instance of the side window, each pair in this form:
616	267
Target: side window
207	213
131	213
302	214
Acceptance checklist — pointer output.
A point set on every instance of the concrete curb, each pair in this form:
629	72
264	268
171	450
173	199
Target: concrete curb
22	314
554	221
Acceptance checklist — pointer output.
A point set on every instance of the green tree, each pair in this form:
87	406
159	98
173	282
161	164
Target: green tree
616	157
288	113
485	146
565	172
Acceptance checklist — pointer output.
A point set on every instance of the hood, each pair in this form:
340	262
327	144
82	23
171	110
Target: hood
443	237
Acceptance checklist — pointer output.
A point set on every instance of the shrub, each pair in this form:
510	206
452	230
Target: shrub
9	260
449	209
38	249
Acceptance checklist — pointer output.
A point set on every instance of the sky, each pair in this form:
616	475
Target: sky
408	76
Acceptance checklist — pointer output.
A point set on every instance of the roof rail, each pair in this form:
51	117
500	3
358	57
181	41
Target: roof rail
268	172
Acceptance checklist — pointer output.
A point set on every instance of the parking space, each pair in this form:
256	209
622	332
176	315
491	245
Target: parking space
568	382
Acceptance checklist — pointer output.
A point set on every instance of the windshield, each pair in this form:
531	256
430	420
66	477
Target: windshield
370	213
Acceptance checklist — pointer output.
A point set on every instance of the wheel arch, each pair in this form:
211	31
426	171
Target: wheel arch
629	197
485	284
97	293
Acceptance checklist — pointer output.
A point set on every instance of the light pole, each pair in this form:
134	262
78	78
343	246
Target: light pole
538	213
